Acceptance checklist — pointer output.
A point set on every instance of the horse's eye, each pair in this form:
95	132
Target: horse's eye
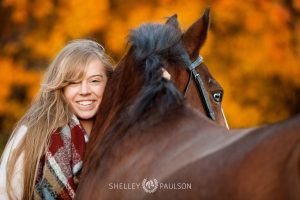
217	96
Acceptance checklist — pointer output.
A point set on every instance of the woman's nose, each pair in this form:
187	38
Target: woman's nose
84	88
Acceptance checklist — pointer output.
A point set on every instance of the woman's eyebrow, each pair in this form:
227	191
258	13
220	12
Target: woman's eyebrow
92	76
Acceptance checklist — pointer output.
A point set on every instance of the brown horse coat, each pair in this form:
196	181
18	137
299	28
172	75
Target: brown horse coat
150	132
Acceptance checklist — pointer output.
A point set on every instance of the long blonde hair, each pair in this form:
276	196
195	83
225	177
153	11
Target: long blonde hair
49	110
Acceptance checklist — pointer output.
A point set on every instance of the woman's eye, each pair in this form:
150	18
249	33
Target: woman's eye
95	81
217	96
74	83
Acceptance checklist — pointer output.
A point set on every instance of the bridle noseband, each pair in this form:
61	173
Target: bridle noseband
200	86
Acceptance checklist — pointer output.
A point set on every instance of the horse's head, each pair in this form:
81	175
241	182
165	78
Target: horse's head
137	84
157	46
205	93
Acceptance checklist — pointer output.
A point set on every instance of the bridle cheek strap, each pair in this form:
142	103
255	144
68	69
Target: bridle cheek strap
200	86
192	66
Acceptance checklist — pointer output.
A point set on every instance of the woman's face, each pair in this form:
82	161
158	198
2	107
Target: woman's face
85	96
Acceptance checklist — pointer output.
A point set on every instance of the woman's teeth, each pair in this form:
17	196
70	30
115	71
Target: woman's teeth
85	103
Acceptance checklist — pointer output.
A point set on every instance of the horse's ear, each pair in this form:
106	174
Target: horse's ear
172	21
195	35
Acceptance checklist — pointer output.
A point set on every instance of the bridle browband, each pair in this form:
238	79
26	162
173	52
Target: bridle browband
200	86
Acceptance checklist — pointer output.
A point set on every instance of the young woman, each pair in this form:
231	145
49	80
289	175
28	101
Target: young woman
43	157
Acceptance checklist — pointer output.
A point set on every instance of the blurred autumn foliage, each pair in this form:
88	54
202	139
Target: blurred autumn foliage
253	48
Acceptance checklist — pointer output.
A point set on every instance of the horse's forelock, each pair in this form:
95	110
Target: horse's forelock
155	46
153	39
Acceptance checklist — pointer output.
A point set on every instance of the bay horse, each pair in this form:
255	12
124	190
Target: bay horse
148	142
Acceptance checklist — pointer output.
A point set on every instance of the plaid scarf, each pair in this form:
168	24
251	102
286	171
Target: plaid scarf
59	169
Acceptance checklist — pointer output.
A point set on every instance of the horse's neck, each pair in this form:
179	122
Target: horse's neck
180	139
188	145
279	139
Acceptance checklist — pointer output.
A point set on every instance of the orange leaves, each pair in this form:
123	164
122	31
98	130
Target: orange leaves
252	47
20	9
296	4
78	19
14	74
42	8
116	35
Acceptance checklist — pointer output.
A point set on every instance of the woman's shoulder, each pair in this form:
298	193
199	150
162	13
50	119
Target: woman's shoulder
17	182
13	142
18	135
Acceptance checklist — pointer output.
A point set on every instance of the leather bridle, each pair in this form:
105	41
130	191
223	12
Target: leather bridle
200	86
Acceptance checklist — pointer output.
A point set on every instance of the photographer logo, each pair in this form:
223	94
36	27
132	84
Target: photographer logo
150	186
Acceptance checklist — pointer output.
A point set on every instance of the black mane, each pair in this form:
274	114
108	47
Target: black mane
151	39
156	46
